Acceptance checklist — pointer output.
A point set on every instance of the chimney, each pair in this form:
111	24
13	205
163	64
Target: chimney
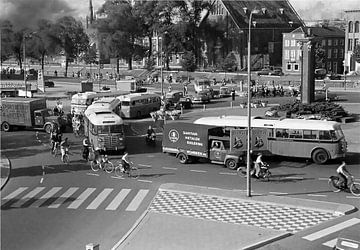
281	11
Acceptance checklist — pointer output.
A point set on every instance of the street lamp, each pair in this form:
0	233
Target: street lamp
24	56
162	64
248	182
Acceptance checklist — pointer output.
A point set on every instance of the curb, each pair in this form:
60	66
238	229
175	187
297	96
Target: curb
266	241
5	164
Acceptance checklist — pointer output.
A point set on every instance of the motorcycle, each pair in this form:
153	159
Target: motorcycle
263	174
150	139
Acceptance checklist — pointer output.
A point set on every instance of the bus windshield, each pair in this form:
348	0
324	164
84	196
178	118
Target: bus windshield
125	103
78	101
106	129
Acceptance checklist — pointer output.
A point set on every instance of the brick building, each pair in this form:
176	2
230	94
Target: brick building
352	38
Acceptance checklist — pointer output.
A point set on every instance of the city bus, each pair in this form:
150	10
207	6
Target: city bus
105	129
80	101
203	84
138	105
111	103
313	139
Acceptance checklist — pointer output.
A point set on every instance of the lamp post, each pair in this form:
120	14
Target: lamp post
161	67
248	182
24	56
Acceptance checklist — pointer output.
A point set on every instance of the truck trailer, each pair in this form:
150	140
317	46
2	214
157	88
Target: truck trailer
189	142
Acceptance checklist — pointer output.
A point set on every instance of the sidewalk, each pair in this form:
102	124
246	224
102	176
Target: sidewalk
194	217
5	169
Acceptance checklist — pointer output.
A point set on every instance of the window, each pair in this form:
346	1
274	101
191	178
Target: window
296	67
335	66
298	55
287	55
293	54
356	42
293	43
329	53
335	53
336	42
289	67
282	133
351	27
329	42
341	53
323	43
309	134
342	42
357	27
328	66
324	135
350	44
295	133
287	43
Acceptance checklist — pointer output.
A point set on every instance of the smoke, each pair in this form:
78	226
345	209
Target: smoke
26	13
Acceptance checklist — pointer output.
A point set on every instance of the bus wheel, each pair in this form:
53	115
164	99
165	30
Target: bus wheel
231	164
48	128
183	158
5	127
320	156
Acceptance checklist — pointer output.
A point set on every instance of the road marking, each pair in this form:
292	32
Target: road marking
323	179
135	203
330	243
214	188
100	198
169	168
333	229
92	174
27	197
144	165
317	195
15	193
118	199
353	197
228	173
198	171
294	178
46	196
147	181
117	177
63	197
277	193
82	197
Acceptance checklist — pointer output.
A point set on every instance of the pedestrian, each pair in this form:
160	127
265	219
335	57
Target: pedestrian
55	73
233	94
185	89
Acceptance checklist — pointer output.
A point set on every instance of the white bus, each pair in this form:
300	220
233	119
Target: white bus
111	103
318	140
203	84
139	104
80	101
105	129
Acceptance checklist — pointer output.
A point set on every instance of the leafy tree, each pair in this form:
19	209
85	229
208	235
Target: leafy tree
230	64
89	56
357	53
188	63
73	39
7	39
319	56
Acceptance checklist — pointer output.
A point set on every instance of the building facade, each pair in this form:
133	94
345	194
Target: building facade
352	38
329	40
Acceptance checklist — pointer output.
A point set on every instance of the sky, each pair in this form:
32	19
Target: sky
51	9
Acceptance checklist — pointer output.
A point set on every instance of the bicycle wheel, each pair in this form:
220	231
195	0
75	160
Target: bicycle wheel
119	171
109	167
267	176
355	189
134	173
333	180
242	171
66	159
95	166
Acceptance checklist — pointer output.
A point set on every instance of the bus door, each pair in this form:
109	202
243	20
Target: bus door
217	151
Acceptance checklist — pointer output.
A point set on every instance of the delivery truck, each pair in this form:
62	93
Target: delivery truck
29	113
189	142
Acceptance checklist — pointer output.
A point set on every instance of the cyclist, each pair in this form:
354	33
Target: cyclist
126	162
150	134
343	174
98	155
257	165
64	148
86	145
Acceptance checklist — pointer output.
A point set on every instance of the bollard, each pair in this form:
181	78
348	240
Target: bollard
182	110
231	104
92	246
204	107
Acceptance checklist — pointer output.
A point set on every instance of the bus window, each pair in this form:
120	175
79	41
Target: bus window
325	135
295	133
337	134
282	133
125	103
309	134
133	103
116	129
270	133
103	129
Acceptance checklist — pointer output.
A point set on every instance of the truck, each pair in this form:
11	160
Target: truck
29	113
130	85
189	142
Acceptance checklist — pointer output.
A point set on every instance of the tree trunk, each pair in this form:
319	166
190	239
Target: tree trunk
150	48
117	66
66	66
130	63
42	62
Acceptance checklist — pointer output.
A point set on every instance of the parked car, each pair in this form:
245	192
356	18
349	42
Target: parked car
333	76
320	73
276	72
49	84
320	95
225	92
202	97
264	71
177	97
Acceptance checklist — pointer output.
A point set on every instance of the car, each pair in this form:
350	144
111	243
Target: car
177	97
49	84
225	92
264	71
320	95
348	239
276	72
202	97
320	73
332	76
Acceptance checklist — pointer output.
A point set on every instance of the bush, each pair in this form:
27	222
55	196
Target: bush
188	63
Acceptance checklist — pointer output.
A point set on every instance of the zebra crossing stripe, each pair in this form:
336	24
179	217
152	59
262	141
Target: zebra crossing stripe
118	199
15	193
333	229
63	197
135	203
330	243
82	197
27	197
46	196
100	198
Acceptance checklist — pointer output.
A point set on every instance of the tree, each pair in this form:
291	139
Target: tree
7	39
230	64
73	39
188	63
357	53
319	56
89	56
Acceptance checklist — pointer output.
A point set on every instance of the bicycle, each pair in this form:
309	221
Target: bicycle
352	186
104	164
132	172
56	150
65	158
263	174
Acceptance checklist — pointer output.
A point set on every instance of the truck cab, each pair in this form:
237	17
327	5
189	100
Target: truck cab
220	152
45	118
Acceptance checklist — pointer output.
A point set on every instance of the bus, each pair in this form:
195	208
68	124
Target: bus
105	129
202	84
313	139
80	101
111	103
138	105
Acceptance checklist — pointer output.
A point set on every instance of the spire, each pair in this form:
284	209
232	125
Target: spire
91	12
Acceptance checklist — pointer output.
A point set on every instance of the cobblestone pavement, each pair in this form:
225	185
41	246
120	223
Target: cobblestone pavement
236	211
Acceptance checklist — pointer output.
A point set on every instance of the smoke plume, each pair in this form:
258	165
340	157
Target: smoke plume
26	13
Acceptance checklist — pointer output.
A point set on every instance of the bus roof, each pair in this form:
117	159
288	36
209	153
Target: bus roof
241	121
104	117
83	95
103	94
137	96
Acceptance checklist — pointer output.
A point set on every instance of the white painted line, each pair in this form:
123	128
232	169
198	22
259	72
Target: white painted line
92	174
63	197
49	167
135	203
41	180
213	188
151	156
28	197
65	170
82	197
100	198
198	171
277	193
330	243
353	197
144	165
15	193
169	168
147	181
46	196
317	195
117	177
333	229
294	178
118	199
228	173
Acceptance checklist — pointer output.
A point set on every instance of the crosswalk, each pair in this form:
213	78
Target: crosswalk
318	235
75	198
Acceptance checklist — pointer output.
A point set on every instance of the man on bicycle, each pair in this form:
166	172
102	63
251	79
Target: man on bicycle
126	162
64	148
98	155
343	174
257	165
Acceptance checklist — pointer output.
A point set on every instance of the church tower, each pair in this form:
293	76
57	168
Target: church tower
90	17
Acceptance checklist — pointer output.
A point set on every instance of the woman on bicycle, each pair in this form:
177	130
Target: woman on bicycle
64	148
343	174
126	162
